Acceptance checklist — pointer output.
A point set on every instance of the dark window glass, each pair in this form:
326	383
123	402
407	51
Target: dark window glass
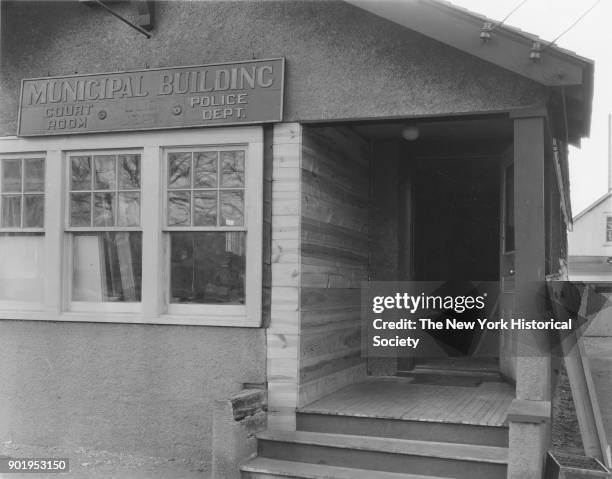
11	211
34	211
80	173
34	172
207	267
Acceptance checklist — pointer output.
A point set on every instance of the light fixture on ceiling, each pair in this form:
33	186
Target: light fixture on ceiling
410	132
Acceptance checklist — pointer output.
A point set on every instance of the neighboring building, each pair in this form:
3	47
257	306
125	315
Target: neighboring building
590	242
176	240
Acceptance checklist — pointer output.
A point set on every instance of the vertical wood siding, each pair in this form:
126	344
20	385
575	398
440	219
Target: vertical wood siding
284	322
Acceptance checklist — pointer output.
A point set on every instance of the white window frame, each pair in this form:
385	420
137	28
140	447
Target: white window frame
24	305
228	311
91	306
606	215
154	307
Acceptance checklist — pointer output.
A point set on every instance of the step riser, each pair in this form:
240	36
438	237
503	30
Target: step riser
264	475
418	430
380	461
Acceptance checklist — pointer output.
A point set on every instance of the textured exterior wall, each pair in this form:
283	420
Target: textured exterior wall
140	388
342	62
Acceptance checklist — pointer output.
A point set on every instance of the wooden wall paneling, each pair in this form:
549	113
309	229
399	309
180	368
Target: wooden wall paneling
334	251
283	330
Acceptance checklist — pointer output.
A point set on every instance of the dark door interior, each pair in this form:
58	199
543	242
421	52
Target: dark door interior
456	220
455	230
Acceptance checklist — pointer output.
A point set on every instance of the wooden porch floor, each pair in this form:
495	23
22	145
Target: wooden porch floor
485	404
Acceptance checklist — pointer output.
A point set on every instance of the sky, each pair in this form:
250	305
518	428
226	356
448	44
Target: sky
591	38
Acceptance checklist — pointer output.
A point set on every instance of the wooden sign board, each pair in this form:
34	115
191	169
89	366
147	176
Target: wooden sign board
195	96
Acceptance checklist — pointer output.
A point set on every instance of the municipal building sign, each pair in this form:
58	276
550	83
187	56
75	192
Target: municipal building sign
208	95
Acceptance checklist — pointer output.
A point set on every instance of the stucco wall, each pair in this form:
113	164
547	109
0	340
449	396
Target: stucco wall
342	62
137	388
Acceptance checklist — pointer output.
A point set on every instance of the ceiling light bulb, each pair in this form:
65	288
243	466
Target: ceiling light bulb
410	133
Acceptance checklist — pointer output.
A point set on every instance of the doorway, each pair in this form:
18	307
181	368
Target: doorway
454	237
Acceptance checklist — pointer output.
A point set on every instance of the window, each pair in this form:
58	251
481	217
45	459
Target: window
133	227
104	217
22	206
609	229
23	193
205	204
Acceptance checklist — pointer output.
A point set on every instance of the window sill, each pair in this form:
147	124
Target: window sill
239	321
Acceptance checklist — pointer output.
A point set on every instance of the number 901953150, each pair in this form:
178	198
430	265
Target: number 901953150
33	464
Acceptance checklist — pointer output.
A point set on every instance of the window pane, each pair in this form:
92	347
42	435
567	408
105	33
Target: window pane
34	211
205	208
128	209
22	260
207	267
105	168
34	169
179	210
232	169
232	208
80	209
205	169
80	173
179	170
107	266
104	212
129	172
11	176
11	211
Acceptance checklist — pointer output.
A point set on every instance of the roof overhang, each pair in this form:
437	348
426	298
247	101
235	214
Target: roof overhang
569	75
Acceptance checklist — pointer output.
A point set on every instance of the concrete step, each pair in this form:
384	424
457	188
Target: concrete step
436	431
438	459
265	468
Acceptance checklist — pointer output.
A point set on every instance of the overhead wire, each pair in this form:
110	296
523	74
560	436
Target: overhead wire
589	10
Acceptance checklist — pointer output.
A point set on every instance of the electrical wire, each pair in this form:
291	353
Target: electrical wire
519	5
573	24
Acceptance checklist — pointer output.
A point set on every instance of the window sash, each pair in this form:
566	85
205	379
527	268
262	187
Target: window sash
154	309
191	189
92	191
23	192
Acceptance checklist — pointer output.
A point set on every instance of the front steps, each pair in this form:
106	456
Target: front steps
361	433
366	454
264	468
458	433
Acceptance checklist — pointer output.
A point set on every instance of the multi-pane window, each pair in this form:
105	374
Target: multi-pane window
609	229
22	207
22	198
205	203
104	215
105	191
206	188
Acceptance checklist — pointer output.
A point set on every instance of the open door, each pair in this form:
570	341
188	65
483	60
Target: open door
507	247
